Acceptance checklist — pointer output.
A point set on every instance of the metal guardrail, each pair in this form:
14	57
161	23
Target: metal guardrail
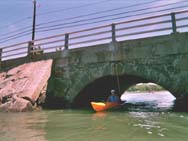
131	29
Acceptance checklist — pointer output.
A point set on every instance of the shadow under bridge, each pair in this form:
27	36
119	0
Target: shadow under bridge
100	88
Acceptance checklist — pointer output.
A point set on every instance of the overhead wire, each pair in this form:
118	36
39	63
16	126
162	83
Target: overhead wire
106	20
27	32
15	37
17	30
20	33
95	13
78	25
83	16
64	27
16	22
100	12
64	9
117	14
50	12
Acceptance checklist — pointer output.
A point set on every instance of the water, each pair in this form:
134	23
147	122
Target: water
149	101
86	125
72	125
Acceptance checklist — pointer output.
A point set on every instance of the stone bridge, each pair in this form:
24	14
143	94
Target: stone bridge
84	74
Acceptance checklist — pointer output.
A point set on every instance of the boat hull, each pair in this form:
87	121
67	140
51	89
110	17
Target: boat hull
101	106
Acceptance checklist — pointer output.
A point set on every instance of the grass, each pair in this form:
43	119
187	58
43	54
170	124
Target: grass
145	87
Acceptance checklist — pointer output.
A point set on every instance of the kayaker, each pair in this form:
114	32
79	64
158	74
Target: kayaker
113	97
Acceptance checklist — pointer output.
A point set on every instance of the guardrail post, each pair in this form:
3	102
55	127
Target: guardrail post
66	41
1	50
30	47
113	33
173	18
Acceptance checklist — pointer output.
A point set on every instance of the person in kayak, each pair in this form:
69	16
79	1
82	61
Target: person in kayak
113	97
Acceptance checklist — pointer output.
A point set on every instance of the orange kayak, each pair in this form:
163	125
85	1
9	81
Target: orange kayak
101	106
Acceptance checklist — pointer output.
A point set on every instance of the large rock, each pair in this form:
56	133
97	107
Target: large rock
17	105
22	86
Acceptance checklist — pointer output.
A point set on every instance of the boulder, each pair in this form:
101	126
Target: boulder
22	86
17	105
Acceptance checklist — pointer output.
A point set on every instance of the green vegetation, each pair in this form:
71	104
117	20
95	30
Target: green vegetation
145	87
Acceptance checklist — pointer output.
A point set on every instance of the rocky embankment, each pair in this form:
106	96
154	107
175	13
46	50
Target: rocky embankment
24	87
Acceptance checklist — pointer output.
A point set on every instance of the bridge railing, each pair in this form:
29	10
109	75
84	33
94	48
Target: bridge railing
14	51
162	24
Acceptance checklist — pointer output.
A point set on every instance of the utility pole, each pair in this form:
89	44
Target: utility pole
34	20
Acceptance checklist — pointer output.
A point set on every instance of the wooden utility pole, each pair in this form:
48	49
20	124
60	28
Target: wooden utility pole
34	20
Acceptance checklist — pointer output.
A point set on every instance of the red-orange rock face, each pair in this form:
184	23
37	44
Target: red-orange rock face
21	86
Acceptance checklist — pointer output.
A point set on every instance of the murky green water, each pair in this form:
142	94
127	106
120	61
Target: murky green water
74	125
86	125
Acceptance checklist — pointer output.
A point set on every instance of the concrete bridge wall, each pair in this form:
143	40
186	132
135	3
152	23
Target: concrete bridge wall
162	60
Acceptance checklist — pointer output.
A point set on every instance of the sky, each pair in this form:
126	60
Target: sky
16	15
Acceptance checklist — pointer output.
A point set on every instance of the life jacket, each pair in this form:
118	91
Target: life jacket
113	98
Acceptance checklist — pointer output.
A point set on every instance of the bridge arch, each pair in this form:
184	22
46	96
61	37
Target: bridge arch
161	60
96	81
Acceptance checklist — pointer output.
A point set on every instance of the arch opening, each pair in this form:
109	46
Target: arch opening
148	97
99	90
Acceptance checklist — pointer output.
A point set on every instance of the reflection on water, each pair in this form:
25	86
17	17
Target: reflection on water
154	101
147	122
22	126
98	119
99	115
84	125
74	125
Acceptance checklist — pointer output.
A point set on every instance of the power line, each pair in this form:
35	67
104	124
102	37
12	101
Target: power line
24	34
28	32
50	12
17	30
100	12
110	19
16	22
15	37
110	15
95	13
65	9
91	14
